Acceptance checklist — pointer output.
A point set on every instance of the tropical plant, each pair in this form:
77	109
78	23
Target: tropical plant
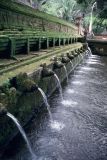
62	8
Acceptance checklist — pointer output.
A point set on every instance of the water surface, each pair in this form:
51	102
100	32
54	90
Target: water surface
79	130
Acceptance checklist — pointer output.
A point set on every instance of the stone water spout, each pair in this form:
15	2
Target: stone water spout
64	59
56	63
78	51
85	47
20	128
4	113
23	83
75	54
46	72
70	56
3	110
81	50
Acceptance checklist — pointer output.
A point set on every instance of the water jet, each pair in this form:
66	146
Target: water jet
46	102
59	85
22	133
66	72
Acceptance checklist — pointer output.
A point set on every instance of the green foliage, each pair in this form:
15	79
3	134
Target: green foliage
34	13
62	8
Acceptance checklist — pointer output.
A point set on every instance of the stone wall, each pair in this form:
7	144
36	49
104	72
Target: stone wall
98	46
24	105
24	29
17	16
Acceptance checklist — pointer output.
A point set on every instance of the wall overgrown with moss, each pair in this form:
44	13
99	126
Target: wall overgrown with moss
14	15
21	29
23	102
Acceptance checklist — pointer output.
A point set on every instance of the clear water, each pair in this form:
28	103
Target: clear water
81	56
71	64
79	131
46	102
22	133
59	85
66	73
89	49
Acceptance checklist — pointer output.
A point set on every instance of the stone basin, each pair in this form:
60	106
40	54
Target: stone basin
98	44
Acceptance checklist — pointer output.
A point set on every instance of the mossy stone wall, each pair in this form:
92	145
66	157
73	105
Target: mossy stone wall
24	29
24	105
19	17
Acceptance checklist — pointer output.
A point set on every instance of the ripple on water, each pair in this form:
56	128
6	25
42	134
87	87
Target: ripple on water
43	158
78	82
71	91
87	68
95	62
55	125
94	59
94	56
69	103
80	71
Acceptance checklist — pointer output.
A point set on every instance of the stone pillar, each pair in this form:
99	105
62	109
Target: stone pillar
28	46
12	47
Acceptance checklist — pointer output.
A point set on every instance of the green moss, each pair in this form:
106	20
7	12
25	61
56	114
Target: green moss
32	12
33	64
20	104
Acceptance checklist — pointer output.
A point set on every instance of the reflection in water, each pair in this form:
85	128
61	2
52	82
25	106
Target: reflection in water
79	131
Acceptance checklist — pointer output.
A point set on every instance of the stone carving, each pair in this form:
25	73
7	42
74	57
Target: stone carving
21	20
